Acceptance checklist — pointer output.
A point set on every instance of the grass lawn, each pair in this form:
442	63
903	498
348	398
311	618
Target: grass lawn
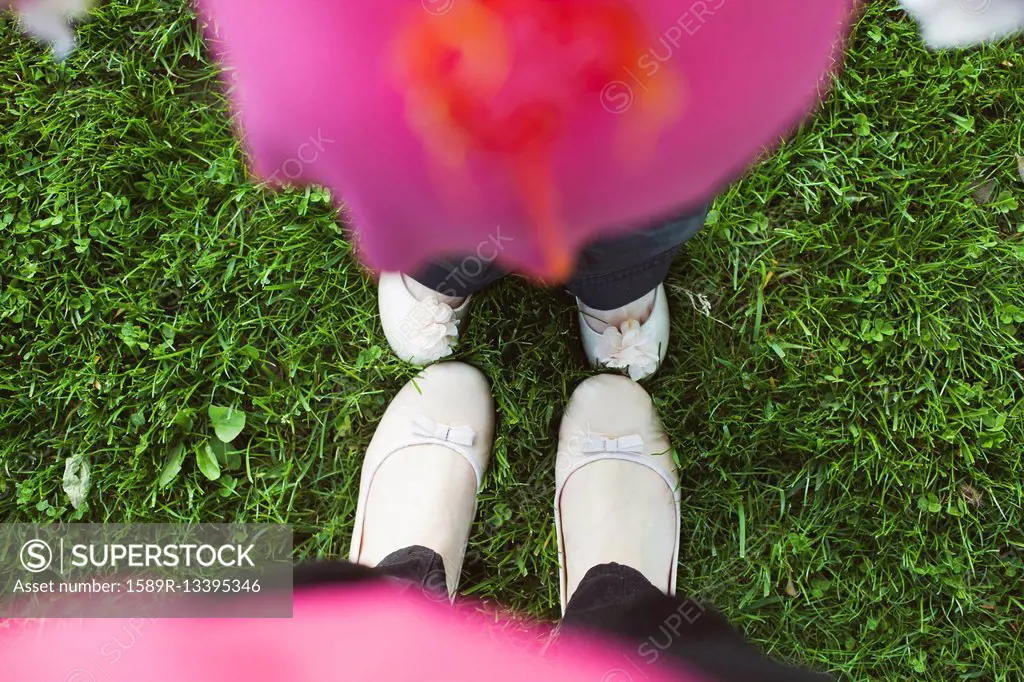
849	415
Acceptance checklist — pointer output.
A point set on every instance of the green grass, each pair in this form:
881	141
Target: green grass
849	417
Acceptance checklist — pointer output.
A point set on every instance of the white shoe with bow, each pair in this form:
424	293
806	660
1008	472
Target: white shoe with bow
617	496
421	326
424	467
633	338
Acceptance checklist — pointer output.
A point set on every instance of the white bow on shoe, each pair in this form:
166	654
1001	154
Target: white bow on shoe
442	434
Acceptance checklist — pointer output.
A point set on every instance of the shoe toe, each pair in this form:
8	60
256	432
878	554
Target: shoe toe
612	405
452	394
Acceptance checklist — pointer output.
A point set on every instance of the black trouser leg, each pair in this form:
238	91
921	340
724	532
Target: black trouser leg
617	601
616	271
612	601
609	273
418	566
458	278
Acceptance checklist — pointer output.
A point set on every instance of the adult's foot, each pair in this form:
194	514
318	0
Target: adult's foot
617	488
424	467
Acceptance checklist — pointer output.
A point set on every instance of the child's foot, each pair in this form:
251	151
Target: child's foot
617	489
632	338
421	325
424	467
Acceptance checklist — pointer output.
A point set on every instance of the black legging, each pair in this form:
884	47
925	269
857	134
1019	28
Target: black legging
611	601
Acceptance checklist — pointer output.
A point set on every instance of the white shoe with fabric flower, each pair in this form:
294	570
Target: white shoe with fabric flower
633	338
421	326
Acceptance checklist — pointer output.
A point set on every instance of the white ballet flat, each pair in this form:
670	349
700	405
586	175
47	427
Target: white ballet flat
425	500
419	332
610	417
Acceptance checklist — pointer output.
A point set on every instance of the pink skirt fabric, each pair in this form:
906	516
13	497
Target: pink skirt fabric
364	634
436	122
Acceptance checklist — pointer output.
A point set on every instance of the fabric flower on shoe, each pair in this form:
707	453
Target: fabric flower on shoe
632	347
431	327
